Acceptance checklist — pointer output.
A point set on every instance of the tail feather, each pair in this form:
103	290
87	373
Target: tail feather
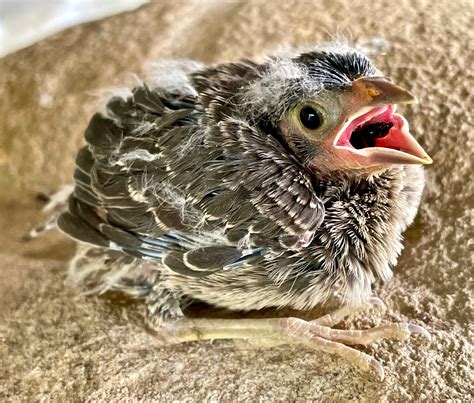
56	204
97	270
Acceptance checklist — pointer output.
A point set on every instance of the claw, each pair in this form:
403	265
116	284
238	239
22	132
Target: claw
378	368
376	301
419	330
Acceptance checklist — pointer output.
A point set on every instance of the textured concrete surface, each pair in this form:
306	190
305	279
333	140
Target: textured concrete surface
58	345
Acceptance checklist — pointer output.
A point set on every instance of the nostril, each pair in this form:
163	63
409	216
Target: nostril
372	92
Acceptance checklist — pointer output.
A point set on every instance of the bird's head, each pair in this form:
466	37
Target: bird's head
335	111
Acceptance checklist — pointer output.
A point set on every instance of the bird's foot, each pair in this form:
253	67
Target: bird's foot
316	334
319	334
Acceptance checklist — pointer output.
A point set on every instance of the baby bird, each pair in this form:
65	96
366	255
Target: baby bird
246	186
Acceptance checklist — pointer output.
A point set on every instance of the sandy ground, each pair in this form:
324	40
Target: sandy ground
58	345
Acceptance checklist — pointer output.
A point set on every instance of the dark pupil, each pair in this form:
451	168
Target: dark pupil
310	118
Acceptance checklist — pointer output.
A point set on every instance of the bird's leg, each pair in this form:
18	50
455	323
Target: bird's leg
327	320
276	330
287	331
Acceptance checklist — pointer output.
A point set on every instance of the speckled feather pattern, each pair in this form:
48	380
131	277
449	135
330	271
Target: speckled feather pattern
187	192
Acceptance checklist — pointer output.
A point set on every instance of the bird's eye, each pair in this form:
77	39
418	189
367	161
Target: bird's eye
310	118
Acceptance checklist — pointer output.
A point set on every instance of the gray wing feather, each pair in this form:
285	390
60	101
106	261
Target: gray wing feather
157	184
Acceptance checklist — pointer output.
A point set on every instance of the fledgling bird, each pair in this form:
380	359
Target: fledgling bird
250	185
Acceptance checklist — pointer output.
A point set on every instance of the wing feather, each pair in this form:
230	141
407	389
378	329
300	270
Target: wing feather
157	183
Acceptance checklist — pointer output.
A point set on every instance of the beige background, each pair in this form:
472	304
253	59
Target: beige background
57	344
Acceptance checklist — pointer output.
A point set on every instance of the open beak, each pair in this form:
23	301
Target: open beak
375	135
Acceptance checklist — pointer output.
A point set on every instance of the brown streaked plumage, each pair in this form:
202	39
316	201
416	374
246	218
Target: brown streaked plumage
249	186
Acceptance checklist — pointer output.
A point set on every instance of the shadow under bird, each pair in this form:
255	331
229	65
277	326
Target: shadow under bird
250	185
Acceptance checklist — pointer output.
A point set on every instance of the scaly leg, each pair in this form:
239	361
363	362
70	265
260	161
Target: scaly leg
326	321
289	331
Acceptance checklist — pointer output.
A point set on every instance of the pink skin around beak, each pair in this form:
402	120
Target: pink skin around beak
374	135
